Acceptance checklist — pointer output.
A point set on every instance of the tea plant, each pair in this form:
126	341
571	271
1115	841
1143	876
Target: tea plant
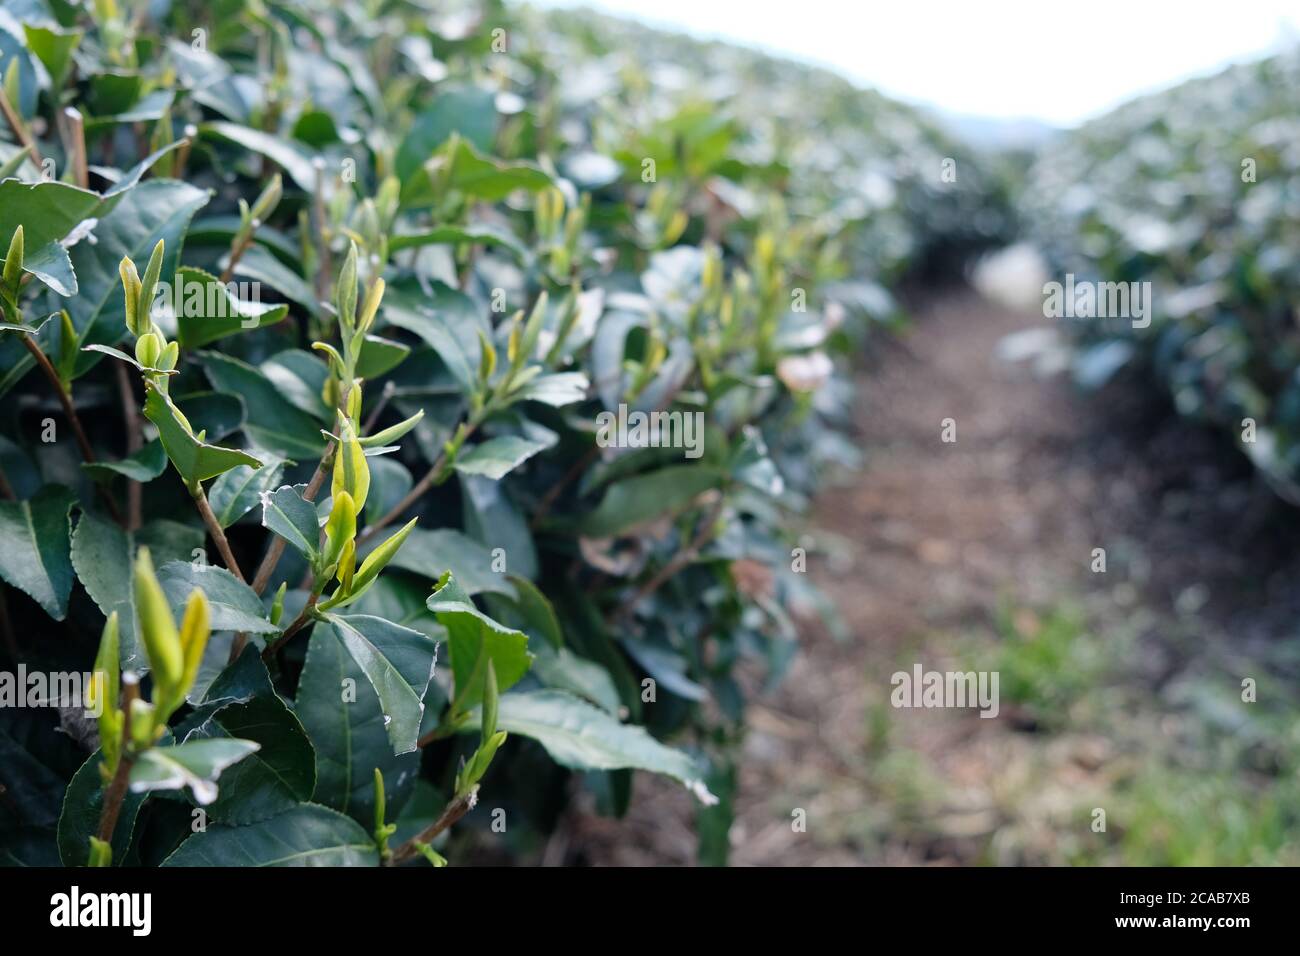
344	308
1193	190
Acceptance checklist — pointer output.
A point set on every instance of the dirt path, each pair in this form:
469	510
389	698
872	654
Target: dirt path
977	555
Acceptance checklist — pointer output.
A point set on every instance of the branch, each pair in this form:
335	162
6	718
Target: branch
264	571
384	396
20	132
65	399
134	441
325	268
267	567
237	250
705	534
298	623
214	528
552	495
580	467
116	790
450	814
183	152
436	475
74	132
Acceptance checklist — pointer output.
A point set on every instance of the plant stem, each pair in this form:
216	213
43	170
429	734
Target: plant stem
183	152
64	398
436	475
267	567
237	250
580	468
298	623
70	411
325	268
456	809
134	442
215	529
272	558
384	396
553	493
20	132
75	142
115	792
707	530
273	553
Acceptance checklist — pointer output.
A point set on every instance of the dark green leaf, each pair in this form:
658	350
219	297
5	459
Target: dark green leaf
399	663
447	321
206	311
273	423
83	803
48	212
483	234
195	460
497	457
307	835
583	737
103	555
342	714
300	376
233	605
35	547
635	501
469	112
288	514
282	772
293	159
194	765
557	390
565	670
145	465
470	632
262	266
430	553
240	490
215	413
379	356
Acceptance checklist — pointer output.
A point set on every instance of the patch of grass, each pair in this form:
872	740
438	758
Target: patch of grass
1173	816
1194	776
1047	661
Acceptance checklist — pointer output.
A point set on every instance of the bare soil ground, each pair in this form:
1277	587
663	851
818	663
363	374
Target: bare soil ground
977	555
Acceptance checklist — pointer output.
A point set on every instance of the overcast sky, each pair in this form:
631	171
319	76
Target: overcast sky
1048	60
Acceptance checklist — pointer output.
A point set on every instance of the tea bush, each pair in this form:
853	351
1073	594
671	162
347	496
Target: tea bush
1195	190
369	303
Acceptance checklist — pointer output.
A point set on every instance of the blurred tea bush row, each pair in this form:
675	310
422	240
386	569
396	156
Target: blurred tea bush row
1197	191
310	313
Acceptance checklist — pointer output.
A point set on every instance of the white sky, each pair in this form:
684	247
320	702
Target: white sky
1048	60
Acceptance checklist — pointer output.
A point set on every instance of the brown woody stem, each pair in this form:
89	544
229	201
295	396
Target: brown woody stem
436	475
450	814
19	128
237	250
298	623
267	567
116	790
64	398
69	410
703	536
134	442
214	528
